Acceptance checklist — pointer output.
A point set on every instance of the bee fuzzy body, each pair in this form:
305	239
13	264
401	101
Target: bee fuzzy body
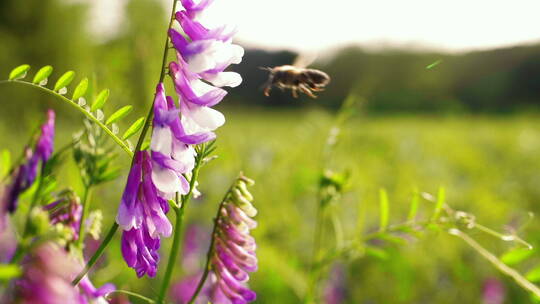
296	79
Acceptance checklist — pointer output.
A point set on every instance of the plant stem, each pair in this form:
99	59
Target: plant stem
133	294
80	109
317	240
97	254
86	208
177	233
520	280
140	141
173	254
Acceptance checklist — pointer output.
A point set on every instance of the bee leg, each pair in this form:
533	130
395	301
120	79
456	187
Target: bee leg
307	91
316	89
294	92
267	90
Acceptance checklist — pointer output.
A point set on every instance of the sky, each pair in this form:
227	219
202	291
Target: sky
318	25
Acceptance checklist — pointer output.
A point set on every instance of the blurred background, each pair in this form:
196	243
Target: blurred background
450	96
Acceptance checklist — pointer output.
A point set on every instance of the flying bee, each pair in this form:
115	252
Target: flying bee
297	78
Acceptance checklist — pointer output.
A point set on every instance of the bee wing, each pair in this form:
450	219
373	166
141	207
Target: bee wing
304	60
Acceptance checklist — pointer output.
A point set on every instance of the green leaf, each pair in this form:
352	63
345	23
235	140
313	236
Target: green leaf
64	80
80	90
43	74
100	100
9	271
516	256
19	72
533	275
377	253
121	113
414	206
441	196
434	64
5	162
145	145
383	203
134	128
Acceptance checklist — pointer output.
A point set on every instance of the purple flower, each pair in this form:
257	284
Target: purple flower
171	156
234	248
493	292
199	71
25	174
196	242
335	290
45	143
141	215
182	291
91	294
47	275
67	211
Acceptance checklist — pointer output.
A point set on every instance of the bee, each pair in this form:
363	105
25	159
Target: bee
296	78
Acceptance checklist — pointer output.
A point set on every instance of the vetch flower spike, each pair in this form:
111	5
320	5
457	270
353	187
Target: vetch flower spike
232	251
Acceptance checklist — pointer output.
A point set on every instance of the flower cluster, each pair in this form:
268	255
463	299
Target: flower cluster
47	275
234	248
66	211
142	216
25	174
198	75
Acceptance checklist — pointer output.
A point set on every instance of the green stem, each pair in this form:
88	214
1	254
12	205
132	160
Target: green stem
317	240
173	254
520	280
97	254
133	294
177	233
80	109
82	225
140	141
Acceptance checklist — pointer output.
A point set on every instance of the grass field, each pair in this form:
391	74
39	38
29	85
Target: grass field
489	166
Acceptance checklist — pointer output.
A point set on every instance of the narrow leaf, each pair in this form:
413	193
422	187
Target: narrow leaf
64	80
534	275
383	202
414	206
100	100
9	271
121	113
19	72
434	64
134	128
516	256
377	253
80	90
43	74
439	204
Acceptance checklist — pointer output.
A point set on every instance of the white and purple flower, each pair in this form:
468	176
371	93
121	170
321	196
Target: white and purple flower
142	216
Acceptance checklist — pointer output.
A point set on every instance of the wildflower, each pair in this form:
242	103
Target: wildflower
202	59
171	157
493	292
141	215
234	248
25	174
66	211
47	275
335	292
